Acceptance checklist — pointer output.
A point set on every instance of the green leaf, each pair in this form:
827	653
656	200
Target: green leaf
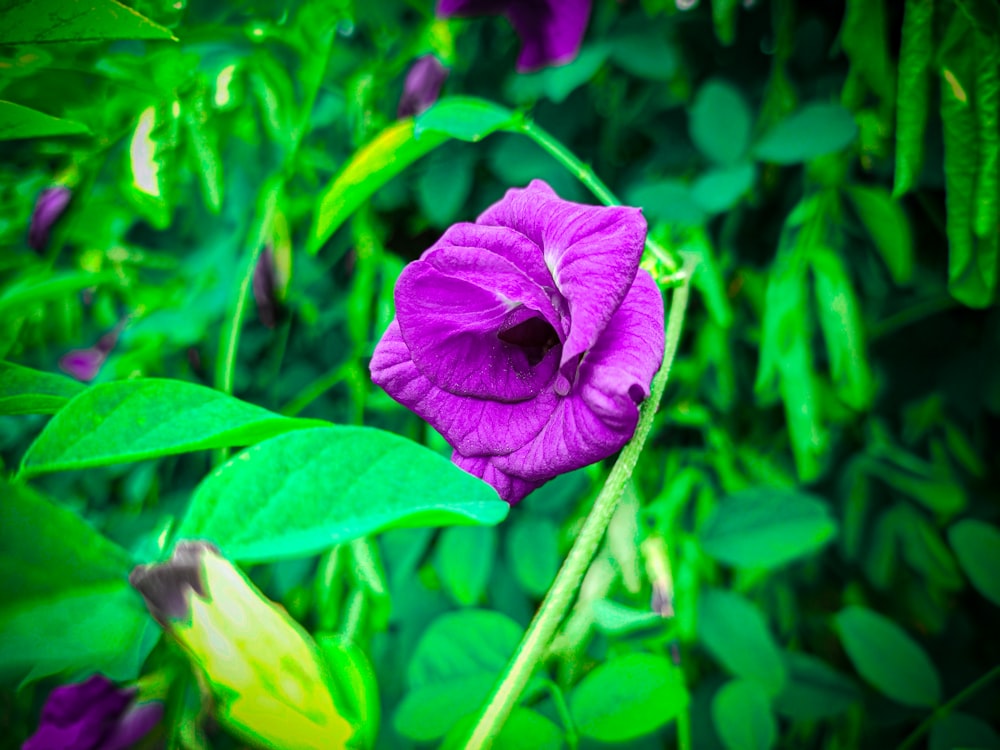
924	550
301	493
27	391
464	561
843	329
814	130
462	117
708	278
627	697
977	546
741	712
959	730
133	420
43	21
913	100
668	201
724	17
645	51
888	227
444	184
767	528
354	687
533	553
815	690
720	122
721	188
452	670
865	39
371	166
557	83
33	288
67	604
524	729
23	122
888	658
615	619
735	632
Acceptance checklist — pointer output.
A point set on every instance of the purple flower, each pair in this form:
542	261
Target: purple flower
551	30
422	87
93	715
527	339
265	288
84	364
49	206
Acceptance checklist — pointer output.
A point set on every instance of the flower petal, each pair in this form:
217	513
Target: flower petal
472	426
600	416
510	488
451	307
592	252
551	31
464	8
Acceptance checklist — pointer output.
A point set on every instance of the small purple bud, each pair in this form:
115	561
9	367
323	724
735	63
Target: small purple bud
93	715
423	85
48	208
264	288
83	364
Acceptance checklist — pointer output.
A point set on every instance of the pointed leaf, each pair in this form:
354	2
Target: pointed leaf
301	493
814	130
43	21
888	227
977	545
134	420
27	391
741	712
913	98
23	122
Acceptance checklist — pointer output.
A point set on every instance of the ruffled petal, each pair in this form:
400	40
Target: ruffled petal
592	252
452	308
472	426
601	414
510	488
551	31
464	8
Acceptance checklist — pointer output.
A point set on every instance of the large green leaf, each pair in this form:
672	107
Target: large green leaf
133	420
913	101
986	222
977	546
628	697
67	604
452	670
735	632
301	493
888	658
23	122
27	391
533	553
767	527
814	130
741	712
40	21
720	122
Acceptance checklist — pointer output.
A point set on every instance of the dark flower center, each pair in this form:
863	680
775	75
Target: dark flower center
534	336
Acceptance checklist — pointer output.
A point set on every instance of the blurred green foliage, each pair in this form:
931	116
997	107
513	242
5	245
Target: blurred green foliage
808	553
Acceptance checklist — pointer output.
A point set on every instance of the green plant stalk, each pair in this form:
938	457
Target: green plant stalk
941	711
590	180
560	596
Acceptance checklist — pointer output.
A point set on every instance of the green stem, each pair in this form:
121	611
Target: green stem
569	728
314	390
590	180
564	589
941	711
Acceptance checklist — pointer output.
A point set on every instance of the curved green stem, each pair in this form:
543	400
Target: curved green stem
564	589
941	711
589	179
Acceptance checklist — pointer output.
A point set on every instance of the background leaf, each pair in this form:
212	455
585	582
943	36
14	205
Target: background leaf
720	123
27	391
814	130
888	658
743	719
23	122
977	546
43	21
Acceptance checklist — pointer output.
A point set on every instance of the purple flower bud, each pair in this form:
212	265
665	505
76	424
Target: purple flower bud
422	86
265	288
527	339
48	208
93	715
551	31
83	364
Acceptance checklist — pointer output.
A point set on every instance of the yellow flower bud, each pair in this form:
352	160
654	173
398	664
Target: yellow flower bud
265	673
